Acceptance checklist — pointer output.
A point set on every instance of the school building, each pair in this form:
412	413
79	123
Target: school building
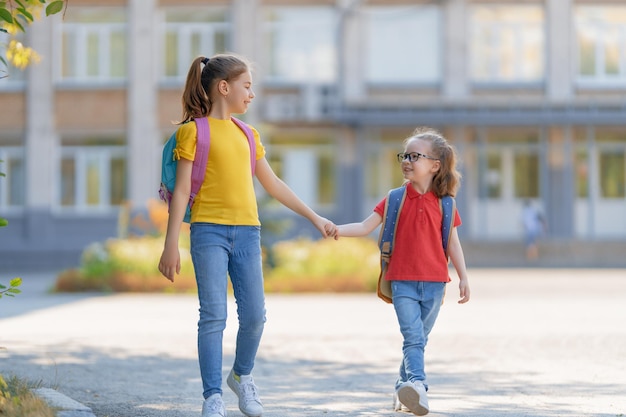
532	93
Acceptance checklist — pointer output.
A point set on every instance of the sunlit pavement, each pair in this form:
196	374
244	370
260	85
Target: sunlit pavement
531	342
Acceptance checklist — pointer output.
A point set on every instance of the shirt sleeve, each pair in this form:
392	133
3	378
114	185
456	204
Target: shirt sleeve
457	219
186	141
380	207
260	149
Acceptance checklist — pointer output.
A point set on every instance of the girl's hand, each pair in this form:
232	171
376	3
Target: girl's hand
464	291
325	226
170	263
331	229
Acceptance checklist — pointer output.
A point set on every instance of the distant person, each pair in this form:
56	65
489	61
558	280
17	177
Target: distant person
418	268
225	227
534	226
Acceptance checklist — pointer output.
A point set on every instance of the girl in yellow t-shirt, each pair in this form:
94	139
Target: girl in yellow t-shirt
225	227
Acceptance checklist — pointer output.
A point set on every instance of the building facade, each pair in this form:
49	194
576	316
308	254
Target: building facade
531	93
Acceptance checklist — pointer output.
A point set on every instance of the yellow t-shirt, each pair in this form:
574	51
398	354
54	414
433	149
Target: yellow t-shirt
227	193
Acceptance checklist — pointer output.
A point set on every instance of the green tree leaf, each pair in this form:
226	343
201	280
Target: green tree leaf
6	16
54	7
3	222
26	13
15	282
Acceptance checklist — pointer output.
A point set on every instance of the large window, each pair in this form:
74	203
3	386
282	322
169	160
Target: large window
403	44
301	42
507	43
509	164
307	165
190	33
600	163
93	45
612	163
92	177
601	44
12	185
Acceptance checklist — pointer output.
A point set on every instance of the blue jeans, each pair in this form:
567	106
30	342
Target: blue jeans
417	305
215	251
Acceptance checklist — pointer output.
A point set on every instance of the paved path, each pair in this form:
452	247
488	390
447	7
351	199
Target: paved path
534	342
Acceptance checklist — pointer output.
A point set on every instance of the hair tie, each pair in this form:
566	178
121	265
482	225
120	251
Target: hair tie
205	61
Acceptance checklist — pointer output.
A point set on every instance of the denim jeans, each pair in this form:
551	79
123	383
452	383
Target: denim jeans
417	305
218	250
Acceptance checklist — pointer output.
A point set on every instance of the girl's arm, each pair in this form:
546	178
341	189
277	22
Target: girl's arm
170	258
281	192
458	260
363	228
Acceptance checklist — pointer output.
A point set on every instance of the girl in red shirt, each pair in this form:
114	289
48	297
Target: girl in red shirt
418	269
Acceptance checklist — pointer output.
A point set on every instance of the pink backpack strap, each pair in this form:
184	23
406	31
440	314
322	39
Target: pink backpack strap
246	129
202	155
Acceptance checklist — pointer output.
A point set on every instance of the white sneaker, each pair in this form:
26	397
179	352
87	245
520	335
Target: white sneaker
243	386
397	405
213	407
413	396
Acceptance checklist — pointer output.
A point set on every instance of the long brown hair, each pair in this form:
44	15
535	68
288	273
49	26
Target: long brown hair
203	76
448	179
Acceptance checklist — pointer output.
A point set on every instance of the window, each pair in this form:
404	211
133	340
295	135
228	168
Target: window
507	43
612	162
403	44
301	42
308	166
612	174
601	44
92	177
526	174
491	175
12	185
509	164
190	33
93	45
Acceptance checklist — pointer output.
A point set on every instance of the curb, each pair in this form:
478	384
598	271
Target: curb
64	406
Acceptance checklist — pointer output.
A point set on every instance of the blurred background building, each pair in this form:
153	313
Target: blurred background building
532	94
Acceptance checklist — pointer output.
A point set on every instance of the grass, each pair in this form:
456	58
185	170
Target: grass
18	400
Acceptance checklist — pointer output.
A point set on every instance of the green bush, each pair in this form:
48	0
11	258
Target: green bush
127	265
302	265
347	265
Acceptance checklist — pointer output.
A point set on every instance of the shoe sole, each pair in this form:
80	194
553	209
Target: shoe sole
411	400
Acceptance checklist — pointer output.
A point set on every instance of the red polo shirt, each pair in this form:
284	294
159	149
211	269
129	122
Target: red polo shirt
418	252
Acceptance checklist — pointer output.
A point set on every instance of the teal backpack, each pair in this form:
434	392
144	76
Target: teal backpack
386	239
169	163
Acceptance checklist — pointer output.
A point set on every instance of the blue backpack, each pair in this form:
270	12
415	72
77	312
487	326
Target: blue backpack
386	239
169	162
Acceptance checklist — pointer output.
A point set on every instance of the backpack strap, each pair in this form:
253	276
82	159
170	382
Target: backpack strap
202	152
200	159
447	204
391	214
246	129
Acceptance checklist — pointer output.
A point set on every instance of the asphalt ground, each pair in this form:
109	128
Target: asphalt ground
531	342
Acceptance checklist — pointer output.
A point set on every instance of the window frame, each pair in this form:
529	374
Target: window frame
600	78
82	31
496	79
82	156
188	29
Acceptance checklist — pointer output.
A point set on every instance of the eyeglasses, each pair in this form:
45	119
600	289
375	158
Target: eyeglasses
413	156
